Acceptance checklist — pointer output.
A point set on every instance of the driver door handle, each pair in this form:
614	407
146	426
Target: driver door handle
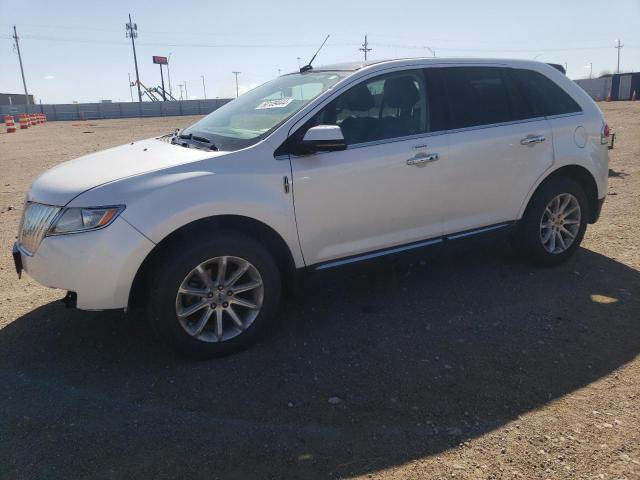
532	139
423	158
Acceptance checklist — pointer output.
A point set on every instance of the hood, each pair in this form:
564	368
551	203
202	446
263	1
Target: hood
64	182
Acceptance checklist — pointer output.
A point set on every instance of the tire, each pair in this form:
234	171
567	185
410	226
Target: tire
178	286
534	240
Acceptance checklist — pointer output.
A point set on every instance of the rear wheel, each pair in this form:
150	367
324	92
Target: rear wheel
555	222
214	296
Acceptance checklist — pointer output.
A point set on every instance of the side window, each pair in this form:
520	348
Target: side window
477	96
520	107
544	95
389	106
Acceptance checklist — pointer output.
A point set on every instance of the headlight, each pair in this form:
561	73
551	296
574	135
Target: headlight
73	220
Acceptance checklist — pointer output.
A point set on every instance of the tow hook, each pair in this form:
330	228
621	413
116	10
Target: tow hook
70	300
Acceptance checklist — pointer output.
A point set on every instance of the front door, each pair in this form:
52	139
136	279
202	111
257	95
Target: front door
381	194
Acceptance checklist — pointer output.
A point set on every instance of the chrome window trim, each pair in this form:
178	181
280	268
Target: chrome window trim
563	115
426	135
350	81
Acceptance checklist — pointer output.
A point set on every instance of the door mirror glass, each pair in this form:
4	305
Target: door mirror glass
323	138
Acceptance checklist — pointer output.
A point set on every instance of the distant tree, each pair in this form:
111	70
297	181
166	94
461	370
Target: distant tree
605	73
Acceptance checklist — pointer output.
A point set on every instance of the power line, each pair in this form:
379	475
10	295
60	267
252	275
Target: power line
24	82
132	32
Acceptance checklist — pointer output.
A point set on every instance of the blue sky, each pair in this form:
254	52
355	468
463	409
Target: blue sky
77	50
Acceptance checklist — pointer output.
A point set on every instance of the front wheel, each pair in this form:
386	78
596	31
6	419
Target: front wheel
215	295
555	222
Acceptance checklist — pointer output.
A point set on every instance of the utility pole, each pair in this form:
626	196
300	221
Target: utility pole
130	85
164	92
24	82
204	87
298	62
186	93
180	85
132	32
590	69
236	74
365	48
619	47
169	73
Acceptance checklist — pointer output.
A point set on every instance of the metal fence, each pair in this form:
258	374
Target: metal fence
94	111
596	87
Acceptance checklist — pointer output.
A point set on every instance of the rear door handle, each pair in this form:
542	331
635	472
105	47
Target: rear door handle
532	139
423	158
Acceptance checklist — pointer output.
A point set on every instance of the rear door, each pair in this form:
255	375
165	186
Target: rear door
498	148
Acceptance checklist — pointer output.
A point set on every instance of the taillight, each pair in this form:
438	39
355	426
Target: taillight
604	134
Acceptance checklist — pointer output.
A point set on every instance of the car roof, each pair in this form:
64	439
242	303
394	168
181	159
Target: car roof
358	65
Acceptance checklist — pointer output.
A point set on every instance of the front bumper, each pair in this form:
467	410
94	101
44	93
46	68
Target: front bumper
99	266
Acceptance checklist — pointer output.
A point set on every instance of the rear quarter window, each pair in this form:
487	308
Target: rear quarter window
544	95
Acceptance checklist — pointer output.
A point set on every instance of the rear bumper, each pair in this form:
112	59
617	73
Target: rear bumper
99	266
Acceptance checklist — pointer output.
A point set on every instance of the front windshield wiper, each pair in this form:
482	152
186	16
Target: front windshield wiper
194	140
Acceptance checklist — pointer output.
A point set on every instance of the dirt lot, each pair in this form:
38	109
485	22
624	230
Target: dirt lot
472	365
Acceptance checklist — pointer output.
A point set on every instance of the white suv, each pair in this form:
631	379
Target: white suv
314	170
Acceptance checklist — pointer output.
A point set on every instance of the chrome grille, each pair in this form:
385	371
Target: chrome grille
36	220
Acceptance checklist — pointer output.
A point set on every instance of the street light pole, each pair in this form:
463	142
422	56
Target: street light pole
236	74
204	87
130	85
169	73
164	92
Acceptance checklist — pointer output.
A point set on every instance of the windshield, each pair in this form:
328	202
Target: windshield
252	116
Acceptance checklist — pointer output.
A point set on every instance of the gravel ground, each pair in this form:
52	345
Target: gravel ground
470	365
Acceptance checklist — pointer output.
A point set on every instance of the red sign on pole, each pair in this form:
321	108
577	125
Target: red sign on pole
160	60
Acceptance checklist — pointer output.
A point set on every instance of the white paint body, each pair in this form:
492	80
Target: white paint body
363	199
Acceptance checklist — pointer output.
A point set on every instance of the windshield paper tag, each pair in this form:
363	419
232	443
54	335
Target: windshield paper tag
278	103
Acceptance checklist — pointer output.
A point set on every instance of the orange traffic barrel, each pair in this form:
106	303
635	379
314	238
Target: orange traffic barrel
24	121
11	126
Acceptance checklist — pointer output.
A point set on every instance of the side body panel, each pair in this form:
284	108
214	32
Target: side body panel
367	197
489	173
246	183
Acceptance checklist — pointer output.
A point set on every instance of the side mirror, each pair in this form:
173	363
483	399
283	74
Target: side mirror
323	138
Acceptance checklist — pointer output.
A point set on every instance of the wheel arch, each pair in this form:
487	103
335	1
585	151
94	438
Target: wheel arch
238	223
579	174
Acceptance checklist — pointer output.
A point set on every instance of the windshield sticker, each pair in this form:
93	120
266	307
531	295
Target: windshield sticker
278	103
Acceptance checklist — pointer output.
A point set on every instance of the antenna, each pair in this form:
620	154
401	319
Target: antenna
308	65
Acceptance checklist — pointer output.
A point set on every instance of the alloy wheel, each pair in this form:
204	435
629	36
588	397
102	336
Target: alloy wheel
219	299
560	223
